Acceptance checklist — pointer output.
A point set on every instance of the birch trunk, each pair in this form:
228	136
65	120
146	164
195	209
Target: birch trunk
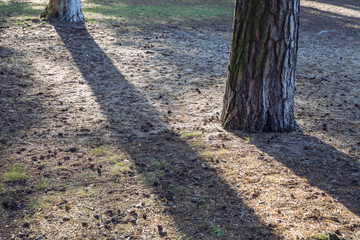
66	10
260	86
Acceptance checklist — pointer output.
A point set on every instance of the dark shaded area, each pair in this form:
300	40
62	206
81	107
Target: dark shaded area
313	19
351	4
20	110
18	106
185	180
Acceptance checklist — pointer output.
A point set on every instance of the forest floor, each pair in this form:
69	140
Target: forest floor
110	130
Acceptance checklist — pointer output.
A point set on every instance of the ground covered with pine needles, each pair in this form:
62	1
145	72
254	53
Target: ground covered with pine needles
110	130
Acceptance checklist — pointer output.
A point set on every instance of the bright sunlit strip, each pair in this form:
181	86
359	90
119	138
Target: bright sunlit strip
331	8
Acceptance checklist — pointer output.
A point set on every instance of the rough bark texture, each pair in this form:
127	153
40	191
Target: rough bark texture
260	87
66	10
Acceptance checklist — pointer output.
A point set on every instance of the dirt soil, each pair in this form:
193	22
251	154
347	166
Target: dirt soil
117	129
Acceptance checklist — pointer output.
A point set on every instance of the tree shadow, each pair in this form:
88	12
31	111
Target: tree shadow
21	108
350	4
322	165
317	18
194	194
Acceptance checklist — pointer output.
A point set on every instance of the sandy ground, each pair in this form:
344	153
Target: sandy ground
120	125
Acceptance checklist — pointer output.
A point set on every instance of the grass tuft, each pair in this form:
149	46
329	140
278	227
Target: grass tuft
190	134
43	183
120	168
15	174
33	204
319	236
99	152
157	163
217	232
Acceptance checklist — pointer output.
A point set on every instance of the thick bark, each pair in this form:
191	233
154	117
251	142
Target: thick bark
66	10
260	87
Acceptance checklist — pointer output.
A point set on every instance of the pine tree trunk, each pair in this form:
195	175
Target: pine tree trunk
66	10
260	86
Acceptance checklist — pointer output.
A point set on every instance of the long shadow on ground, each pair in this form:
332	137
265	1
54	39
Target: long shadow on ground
202	199
319	163
19	106
328	20
351	4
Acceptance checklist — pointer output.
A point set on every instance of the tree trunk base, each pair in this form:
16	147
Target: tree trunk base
260	87
65	11
76	17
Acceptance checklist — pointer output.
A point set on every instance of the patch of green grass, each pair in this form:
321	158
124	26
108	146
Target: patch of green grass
113	158
319	236
12	9
15	174
33	204
217	232
120	167
65	184
190	134
92	176
248	139
198	143
157	163
100	152
206	197
106	156
46	202
161	10
208	154
43	183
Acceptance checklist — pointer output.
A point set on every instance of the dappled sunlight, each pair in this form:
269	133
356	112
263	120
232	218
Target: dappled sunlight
128	141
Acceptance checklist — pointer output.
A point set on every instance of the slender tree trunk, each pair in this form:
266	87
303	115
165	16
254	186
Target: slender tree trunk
260	86
66	10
